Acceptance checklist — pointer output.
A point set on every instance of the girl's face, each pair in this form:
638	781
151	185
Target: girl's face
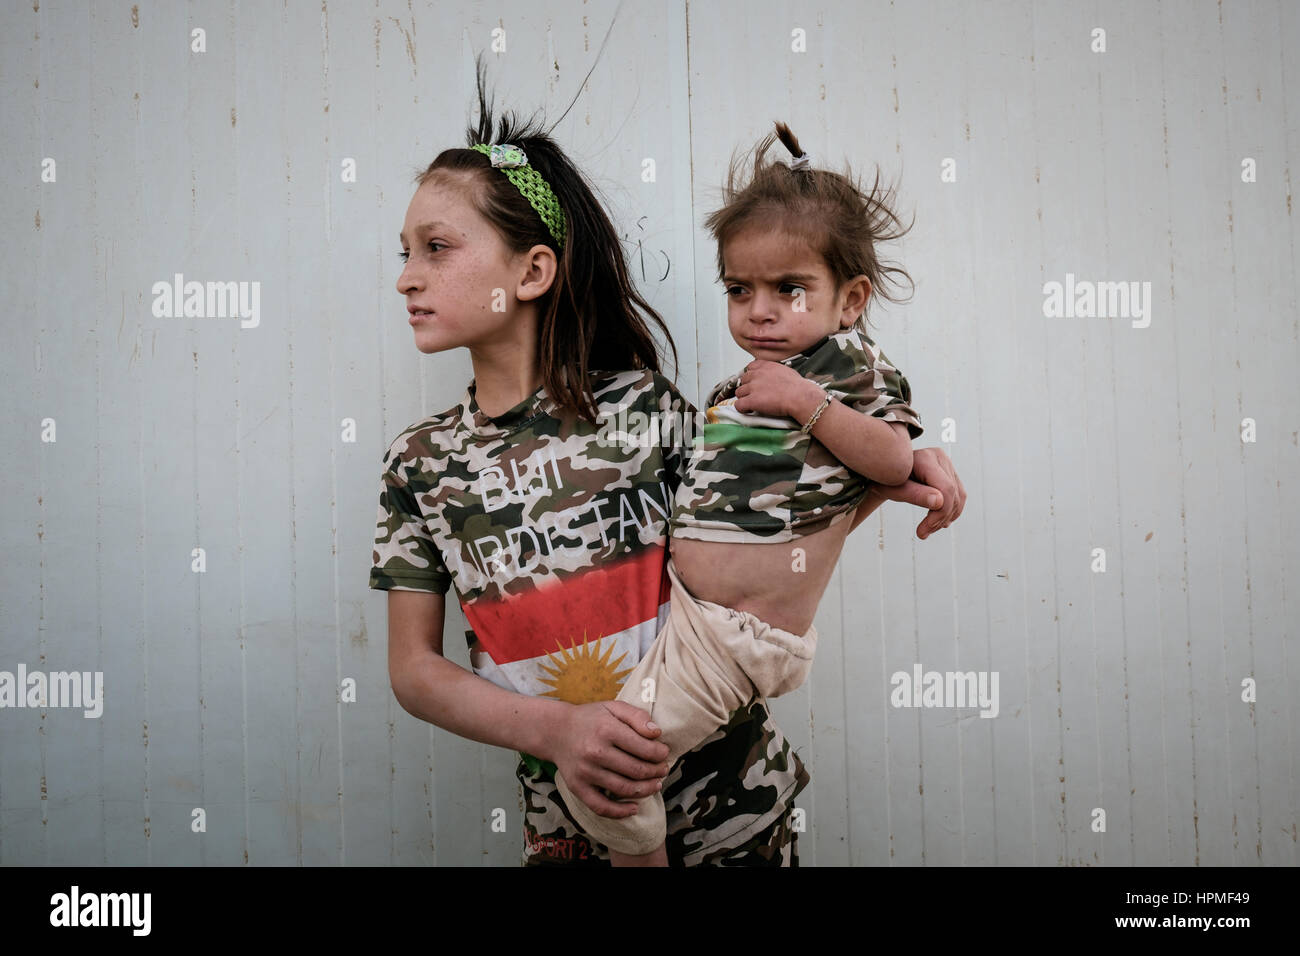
781	297
460	280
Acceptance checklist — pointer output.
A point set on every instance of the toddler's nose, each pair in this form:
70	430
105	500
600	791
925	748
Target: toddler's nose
762	307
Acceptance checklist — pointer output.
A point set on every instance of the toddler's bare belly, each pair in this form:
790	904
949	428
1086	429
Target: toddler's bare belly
760	578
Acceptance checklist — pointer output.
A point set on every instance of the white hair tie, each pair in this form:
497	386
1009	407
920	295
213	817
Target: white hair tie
802	162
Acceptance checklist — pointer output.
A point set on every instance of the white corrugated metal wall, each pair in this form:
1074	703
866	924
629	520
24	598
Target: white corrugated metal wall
1120	690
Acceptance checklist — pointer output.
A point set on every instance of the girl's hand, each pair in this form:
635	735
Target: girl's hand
770	388
609	745
932	471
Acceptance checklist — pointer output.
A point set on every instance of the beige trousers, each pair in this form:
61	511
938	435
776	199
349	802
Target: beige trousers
707	661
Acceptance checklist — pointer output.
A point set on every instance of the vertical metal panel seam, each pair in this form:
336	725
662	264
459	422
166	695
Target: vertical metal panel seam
1289	723
1245	515
1119	537
1182	485
99	487
332	424
291	461
239	511
1020	472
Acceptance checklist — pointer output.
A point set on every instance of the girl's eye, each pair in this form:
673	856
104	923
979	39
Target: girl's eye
791	285
732	290
404	256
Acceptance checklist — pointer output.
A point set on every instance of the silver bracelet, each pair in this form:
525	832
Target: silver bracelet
816	415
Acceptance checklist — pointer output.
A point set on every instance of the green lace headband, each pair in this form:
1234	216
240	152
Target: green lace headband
513	161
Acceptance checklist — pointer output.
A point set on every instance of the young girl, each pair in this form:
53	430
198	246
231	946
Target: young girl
761	515
556	543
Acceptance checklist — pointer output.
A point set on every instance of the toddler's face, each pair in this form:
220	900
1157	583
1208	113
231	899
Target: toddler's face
456	261
781	297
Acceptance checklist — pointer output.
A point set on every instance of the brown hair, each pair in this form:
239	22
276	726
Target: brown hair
592	317
839	220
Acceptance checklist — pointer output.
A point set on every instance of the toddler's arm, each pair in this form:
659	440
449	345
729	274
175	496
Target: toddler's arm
870	502
873	447
876	449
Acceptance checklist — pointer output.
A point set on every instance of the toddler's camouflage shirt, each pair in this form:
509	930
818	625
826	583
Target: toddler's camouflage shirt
756	479
554	533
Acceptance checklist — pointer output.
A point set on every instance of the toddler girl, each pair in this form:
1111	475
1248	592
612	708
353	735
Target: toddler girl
785	459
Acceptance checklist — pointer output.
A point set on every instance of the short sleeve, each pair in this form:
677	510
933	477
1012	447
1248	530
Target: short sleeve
879	389
675	441
406	557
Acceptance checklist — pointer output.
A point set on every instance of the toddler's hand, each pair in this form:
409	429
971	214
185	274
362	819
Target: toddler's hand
770	388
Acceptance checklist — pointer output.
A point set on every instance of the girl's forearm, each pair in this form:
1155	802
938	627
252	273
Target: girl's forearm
870	503
445	694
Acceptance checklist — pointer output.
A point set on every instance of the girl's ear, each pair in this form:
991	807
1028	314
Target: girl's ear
539	268
856	292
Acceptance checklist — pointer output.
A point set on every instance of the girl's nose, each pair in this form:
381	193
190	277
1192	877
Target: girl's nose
406	281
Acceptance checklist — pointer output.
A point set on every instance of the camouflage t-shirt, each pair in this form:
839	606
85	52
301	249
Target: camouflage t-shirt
554	534
758	479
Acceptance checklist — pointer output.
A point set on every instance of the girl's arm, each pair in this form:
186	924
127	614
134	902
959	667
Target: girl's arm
934	486
606	744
